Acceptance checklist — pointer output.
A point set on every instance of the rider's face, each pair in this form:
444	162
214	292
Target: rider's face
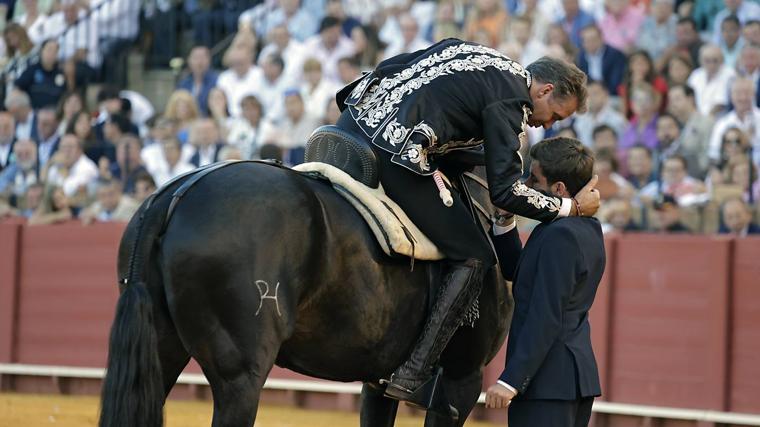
548	109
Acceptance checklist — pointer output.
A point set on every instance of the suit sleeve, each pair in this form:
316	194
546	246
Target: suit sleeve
502	123
508	247
552	287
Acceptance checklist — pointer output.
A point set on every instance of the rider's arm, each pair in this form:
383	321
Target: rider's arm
502	123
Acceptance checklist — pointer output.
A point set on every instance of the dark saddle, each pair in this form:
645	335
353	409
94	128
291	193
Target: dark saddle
354	155
344	150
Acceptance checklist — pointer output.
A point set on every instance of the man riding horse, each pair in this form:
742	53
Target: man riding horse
414	108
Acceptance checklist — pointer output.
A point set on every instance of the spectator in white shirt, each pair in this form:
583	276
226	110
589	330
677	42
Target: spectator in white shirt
204	136
271	86
70	168
19	105
77	33
745	116
171	164
240	79
111	205
521	33
34	21
410	40
316	91
710	81
676	182
329	46
600	112
118	24
749	66
298	124
249	132
291	50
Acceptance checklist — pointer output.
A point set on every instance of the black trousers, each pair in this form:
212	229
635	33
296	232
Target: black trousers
550	413
452	229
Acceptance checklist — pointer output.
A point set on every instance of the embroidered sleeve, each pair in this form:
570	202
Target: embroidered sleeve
504	128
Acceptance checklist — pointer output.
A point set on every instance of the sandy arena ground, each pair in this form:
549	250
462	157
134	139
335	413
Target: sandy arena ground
25	410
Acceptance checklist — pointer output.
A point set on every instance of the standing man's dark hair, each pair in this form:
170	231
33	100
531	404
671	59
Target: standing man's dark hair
568	80
566	160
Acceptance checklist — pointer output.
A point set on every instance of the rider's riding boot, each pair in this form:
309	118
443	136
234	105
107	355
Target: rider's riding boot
459	290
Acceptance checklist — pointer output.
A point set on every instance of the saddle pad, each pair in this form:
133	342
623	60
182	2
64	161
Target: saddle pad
394	231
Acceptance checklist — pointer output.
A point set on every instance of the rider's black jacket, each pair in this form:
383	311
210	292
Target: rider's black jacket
453	95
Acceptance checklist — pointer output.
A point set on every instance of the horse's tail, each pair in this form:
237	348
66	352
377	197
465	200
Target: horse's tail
133	393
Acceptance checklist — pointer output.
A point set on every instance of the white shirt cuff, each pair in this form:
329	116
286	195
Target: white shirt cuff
564	210
498	230
508	387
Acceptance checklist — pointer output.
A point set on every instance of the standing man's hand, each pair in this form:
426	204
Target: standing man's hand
588	198
498	396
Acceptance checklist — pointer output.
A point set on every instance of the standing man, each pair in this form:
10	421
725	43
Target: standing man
413	109
551	376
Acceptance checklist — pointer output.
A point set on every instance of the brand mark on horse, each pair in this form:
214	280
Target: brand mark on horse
263	288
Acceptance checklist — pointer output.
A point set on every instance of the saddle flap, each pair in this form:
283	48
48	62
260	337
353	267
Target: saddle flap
395	232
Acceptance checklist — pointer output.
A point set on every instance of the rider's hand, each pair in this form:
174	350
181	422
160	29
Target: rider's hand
588	198
498	396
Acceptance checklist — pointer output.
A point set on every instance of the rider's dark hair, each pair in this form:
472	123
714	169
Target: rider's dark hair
564	159
568	80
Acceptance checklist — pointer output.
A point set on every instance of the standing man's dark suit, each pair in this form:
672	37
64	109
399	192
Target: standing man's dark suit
549	357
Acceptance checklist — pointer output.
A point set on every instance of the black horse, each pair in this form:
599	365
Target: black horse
260	265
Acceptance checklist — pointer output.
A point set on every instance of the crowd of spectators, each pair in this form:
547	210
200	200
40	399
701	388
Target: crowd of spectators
672	106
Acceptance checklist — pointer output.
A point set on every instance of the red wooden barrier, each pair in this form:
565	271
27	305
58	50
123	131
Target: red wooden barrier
669	337
67	294
9	240
744	395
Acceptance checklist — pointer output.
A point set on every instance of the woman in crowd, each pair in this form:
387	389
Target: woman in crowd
742	173
20	52
678	68
641	70
218	109
182	108
53	208
71	103
645	103
80	125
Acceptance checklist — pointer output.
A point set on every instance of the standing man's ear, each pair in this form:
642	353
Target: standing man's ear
560	189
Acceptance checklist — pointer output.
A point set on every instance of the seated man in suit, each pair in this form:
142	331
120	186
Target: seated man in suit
550	368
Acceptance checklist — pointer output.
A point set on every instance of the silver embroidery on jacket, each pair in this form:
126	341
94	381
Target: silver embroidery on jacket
416	154
535	198
395	133
381	98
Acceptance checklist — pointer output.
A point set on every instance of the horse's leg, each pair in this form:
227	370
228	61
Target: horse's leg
462	394
376	409
234	344
173	357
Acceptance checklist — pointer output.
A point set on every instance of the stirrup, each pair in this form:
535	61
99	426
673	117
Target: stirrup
430	396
